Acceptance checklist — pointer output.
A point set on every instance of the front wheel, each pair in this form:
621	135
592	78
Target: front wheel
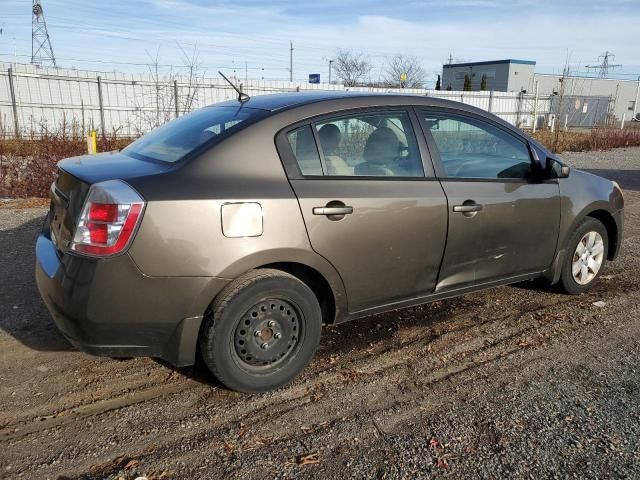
262	331
586	257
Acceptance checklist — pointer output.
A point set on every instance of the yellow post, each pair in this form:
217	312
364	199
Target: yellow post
91	142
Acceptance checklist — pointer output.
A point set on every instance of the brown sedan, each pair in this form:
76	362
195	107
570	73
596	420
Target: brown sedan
235	232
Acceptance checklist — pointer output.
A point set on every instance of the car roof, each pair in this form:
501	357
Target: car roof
281	101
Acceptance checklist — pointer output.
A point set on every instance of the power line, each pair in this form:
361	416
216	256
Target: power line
140	64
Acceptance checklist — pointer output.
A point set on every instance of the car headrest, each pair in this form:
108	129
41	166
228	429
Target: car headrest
382	146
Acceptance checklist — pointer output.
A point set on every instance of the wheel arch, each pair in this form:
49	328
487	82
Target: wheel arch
599	212
316	282
312	269
604	217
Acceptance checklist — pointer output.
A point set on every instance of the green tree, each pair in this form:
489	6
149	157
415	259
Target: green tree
467	83
483	82
438	85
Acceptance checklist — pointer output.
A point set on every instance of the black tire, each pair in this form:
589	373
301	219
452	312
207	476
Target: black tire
263	307
567	282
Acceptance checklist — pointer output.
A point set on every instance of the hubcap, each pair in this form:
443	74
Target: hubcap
267	333
588	258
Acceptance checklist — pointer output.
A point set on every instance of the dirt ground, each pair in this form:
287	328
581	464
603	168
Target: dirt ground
515	382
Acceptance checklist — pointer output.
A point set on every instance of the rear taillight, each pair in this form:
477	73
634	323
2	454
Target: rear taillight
110	216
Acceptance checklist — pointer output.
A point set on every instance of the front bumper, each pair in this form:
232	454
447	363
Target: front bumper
109	307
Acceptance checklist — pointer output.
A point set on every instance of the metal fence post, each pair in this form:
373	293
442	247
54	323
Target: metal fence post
490	100
535	108
519	112
101	104
175	96
14	104
635	103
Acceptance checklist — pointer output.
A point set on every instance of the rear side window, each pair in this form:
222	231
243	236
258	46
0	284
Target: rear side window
380	144
304	149
470	148
172	141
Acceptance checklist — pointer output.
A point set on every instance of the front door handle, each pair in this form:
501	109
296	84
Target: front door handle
332	210
467	208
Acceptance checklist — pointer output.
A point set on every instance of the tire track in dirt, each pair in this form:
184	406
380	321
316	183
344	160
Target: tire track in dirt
299	395
405	391
64	417
227	441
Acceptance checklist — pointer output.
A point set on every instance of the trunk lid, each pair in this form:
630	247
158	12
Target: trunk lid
109	166
75	177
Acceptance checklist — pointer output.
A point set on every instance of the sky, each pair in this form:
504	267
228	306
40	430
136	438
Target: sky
128	36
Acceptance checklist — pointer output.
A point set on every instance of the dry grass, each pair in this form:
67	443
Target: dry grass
55	146
596	139
28	165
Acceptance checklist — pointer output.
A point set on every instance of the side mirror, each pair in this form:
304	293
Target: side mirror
556	169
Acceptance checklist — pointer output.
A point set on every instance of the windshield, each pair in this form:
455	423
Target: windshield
174	140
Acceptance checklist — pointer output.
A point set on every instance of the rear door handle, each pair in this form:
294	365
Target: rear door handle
332	210
467	208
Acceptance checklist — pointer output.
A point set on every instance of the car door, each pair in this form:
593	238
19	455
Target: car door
368	206
503	219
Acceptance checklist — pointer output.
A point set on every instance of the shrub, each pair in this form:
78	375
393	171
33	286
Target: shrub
595	139
28	165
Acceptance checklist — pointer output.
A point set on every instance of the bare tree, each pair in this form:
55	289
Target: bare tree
404	71
168	94
194	79
154	71
351	67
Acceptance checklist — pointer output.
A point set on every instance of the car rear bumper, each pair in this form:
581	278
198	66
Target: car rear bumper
109	307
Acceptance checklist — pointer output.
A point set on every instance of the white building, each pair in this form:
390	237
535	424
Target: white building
623	92
518	75
499	75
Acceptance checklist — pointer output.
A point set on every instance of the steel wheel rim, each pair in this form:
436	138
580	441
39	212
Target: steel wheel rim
267	334
587	258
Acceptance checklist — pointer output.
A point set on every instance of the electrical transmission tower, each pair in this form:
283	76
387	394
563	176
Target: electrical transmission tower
603	68
41	49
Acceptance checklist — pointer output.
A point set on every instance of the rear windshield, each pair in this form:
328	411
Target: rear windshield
174	140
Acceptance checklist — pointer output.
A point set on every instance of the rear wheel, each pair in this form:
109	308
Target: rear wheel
586	257
263	330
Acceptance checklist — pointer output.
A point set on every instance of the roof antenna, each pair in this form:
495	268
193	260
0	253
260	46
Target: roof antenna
242	97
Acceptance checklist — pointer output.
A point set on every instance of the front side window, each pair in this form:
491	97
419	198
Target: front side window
172	141
369	144
470	148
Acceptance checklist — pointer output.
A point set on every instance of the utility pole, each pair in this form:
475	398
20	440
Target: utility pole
290	61
330	62
41	49
246	73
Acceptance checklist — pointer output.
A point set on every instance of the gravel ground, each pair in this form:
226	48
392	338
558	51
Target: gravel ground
513	382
